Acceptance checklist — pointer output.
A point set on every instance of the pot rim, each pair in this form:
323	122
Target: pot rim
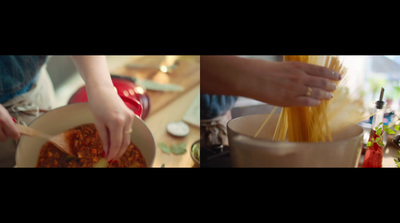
287	142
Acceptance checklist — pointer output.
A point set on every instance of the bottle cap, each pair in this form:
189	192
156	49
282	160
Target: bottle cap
379	104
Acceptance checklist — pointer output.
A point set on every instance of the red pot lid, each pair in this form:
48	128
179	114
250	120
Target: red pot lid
135	97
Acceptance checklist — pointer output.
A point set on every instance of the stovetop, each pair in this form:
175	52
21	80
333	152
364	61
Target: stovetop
215	156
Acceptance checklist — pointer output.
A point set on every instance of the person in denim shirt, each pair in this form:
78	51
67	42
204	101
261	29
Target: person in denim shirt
291	83
26	92
18	73
214	113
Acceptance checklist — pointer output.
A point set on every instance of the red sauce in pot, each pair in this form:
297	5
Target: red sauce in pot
86	146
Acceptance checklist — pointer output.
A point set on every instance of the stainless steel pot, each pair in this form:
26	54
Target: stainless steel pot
343	151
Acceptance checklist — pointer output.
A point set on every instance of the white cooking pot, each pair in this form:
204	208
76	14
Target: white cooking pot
64	118
343	151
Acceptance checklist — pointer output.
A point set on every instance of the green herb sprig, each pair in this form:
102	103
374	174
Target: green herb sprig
379	139
177	149
379	132
397	160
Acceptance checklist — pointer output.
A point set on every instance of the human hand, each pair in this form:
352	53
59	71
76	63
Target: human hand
113	120
277	83
298	84
7	126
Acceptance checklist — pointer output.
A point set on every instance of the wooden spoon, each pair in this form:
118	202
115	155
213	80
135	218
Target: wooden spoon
59	140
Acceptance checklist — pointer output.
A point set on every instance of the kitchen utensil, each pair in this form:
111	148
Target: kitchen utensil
246	151
59	140
74	115
151	85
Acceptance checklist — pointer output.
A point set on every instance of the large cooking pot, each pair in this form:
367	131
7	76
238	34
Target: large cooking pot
129	92
343	151
64	118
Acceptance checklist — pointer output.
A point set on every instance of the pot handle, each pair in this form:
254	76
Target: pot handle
137	107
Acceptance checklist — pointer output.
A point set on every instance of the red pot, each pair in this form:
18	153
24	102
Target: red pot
135	97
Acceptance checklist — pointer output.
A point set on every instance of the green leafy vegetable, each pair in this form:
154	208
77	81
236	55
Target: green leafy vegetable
177	149
397	163
164	147
380	129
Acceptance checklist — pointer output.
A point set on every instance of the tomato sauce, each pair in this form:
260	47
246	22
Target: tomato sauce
86	145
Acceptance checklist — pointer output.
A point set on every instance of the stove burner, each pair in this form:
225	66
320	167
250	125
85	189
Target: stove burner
215	156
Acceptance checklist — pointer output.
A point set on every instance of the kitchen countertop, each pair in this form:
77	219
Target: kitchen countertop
166	107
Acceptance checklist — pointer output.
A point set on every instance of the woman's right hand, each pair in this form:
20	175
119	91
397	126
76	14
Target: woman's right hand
7	126
282	84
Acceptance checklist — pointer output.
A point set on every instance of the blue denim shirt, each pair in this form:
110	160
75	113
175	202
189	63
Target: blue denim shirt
17	74
212	106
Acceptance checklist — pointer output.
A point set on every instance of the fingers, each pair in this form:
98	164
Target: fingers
320	94
104	135
319	71
118	136
7	126
307	101
318	83
126	140
321	83
313	96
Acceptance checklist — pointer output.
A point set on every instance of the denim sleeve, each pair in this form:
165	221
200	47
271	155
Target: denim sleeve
212	106
17	73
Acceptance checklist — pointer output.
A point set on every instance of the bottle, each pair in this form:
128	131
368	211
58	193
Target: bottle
374	154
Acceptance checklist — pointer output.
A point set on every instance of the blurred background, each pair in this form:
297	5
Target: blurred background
66	79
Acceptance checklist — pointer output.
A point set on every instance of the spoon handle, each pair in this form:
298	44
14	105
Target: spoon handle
25	130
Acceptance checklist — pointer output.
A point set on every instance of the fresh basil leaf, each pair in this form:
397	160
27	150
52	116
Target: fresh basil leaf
379	132
389	131
164	147
179	148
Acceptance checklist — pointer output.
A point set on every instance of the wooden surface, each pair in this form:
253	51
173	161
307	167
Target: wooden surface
166	107
186	74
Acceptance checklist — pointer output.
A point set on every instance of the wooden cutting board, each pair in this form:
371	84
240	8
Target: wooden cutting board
185	74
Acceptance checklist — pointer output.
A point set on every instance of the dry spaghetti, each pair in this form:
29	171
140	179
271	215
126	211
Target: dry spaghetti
317	124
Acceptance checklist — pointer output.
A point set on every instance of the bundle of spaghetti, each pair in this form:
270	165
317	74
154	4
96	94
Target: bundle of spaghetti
317	124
